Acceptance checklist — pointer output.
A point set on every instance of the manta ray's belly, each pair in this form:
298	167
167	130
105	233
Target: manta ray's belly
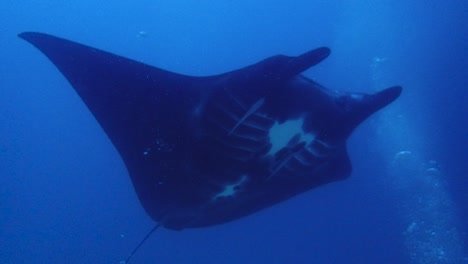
255	150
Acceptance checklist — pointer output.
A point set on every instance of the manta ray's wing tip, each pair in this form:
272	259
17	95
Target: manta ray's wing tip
27	35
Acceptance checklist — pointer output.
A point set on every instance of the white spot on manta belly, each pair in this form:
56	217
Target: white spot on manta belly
231	189
281	134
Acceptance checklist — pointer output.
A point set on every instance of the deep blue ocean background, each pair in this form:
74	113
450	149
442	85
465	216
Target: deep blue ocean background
65	195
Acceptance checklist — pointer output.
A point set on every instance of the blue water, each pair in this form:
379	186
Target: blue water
65	196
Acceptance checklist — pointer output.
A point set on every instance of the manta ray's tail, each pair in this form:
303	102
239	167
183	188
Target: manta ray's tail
140	244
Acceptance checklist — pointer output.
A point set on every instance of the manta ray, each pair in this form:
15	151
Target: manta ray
203	151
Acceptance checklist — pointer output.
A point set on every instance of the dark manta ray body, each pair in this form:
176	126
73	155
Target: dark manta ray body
202	151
